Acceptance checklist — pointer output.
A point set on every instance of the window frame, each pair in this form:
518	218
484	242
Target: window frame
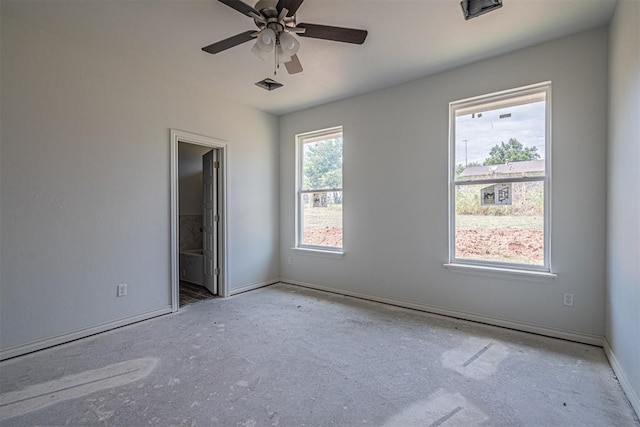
500	97
301	140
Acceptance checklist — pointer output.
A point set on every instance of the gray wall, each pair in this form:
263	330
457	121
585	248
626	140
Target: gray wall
190	178
395	181
84	177
623	254
85	185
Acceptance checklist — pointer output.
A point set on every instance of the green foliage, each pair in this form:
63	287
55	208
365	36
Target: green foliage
528	200
528	197
323	164
513	151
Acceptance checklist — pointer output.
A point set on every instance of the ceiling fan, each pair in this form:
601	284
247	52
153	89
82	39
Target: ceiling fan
276	21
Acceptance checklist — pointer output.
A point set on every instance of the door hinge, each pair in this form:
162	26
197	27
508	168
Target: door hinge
216	271
216	165
216	218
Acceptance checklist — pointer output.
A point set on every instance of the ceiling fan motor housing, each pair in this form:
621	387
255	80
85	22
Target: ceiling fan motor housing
268	8
269	11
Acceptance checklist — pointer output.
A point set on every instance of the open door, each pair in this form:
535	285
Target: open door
214	172
210	168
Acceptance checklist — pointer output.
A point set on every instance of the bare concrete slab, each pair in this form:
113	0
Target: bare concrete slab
290	356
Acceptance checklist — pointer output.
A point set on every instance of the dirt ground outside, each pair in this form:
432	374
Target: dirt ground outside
506	245
326	236
323	226
513	239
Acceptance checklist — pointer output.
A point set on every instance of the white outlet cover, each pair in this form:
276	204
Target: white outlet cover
122	289
568	300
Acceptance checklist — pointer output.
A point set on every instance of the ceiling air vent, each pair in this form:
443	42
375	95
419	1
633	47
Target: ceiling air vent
475	8
269	84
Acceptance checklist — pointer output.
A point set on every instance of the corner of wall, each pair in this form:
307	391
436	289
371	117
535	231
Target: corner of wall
626	385
622	299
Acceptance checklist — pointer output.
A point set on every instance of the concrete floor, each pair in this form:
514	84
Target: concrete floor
290	356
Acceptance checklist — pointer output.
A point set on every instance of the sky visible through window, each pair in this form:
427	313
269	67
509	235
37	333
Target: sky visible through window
484	130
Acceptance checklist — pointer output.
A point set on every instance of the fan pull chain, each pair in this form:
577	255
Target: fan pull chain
276	64
275	59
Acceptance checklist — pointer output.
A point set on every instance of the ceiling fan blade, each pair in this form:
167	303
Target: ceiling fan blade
241	7
338	34
294	66
291	5
230	42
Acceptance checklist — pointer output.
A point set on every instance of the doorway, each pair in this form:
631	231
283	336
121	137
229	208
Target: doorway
198	219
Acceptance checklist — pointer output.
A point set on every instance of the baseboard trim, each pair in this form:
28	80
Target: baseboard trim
81	333
253	286
580	337
632	395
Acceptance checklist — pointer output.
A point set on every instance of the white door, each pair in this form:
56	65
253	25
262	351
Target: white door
210	168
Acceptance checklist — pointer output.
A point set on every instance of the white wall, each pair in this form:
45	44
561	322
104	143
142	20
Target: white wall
395	181
86	186
623	254
190	178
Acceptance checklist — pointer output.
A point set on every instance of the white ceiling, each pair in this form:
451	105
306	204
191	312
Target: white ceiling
407	39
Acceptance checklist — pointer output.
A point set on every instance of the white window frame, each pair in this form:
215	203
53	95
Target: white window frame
489	266
306	138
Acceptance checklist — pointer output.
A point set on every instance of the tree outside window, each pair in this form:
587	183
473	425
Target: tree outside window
500	179
320	193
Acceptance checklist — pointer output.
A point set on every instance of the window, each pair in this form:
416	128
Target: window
319	190
500	179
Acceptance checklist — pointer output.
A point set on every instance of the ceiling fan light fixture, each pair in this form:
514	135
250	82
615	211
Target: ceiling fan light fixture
289	44
266	40
282	56
276	20
475	8
265	55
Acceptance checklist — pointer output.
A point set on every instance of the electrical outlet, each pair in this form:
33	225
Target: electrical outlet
122	289
568	300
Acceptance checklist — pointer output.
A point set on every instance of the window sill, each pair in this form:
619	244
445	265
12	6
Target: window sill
318	253
478	270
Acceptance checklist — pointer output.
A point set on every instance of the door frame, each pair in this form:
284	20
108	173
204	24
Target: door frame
176	137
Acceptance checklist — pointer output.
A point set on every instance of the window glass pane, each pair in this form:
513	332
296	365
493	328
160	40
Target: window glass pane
321	219
322	164
488	228
501	139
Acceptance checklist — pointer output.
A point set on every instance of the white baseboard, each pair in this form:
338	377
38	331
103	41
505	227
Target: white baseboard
632	395
253	286
580	337
81	333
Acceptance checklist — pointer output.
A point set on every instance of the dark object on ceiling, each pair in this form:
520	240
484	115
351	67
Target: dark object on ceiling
475	8
269	84
276	22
